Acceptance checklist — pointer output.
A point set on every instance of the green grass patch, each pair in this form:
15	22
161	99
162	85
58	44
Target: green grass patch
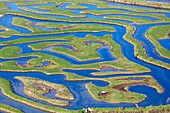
3	6
9	109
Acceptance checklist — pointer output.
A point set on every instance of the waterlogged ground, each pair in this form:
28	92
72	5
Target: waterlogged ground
65	56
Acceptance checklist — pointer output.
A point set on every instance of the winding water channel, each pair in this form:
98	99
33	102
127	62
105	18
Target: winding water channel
82	97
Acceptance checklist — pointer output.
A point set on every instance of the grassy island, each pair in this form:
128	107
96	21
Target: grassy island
118	92
35	88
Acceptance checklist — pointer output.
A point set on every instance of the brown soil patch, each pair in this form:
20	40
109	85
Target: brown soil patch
41	85
127	64
76	50
121	87
105	67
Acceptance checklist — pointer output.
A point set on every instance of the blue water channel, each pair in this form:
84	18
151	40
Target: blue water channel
82	97
165	43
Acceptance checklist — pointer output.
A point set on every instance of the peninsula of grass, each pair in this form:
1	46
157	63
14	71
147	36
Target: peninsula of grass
78	27
9	109
36	88
114	72
117	91
156	33
13	52
129	13
130	18
58	29
28	40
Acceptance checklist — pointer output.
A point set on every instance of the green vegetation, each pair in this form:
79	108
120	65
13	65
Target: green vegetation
58	28
114	72
3	6
134	19
12	52
35	88
28	40
130	16
9	109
